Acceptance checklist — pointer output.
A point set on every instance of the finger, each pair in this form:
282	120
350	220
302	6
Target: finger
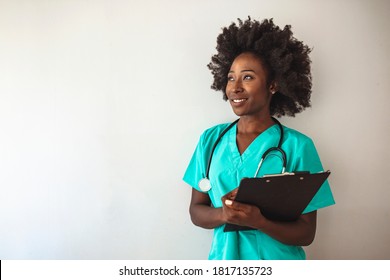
228	202
230	195
237	205
233	194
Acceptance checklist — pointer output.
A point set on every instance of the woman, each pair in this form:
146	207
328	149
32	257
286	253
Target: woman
263	71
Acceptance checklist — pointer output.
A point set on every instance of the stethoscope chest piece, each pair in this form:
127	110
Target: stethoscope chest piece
204	185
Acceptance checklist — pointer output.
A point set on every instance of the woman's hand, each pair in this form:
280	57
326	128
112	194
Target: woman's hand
298	233
237	213
301	232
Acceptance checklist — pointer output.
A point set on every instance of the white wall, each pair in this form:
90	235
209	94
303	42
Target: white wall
102	103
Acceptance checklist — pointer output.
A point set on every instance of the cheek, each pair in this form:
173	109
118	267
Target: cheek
262	91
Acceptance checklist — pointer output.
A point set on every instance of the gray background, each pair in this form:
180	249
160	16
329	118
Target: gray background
103	102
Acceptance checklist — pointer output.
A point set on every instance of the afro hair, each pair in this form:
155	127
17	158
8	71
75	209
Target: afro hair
286	59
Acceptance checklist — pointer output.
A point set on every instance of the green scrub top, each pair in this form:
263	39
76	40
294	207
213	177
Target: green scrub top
227	169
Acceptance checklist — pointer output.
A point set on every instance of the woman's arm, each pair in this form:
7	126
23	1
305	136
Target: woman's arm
202	213
298	233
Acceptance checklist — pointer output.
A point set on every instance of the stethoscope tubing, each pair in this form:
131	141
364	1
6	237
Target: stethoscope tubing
265	154
216	144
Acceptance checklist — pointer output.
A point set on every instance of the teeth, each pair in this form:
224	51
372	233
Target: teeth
238	100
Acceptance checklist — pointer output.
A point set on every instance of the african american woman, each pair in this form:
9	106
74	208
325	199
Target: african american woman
263	72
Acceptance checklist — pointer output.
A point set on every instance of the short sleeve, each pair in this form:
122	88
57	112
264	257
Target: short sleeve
308	160
196	169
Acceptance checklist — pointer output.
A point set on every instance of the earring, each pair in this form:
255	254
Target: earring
273	91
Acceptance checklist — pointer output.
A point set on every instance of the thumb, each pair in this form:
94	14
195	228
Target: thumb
236	205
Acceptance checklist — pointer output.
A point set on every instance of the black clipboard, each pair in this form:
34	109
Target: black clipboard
280	197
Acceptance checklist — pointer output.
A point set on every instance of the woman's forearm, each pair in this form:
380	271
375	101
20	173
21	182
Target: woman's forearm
298	233
206	216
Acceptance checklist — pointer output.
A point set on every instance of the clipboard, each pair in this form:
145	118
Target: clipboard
280	197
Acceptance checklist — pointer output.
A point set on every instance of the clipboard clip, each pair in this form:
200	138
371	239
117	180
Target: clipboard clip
287	173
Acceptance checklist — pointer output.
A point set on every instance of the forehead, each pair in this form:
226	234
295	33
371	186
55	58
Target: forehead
247	61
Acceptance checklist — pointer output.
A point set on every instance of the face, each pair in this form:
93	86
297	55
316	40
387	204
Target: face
247	89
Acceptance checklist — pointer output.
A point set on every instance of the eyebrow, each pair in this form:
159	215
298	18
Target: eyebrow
246	70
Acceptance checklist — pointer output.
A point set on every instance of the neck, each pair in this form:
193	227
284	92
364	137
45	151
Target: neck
251	125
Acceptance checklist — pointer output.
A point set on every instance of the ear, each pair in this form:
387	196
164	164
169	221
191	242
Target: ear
273	88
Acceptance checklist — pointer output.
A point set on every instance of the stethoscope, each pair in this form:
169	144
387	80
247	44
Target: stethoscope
204	184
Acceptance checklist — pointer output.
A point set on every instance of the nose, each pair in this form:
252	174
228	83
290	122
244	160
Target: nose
236	86
237	90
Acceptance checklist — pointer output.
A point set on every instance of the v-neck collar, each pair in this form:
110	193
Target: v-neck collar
253	146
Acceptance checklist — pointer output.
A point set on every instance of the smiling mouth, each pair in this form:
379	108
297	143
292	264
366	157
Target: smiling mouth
238	100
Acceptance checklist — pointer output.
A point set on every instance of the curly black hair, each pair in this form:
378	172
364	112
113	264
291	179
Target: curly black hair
285	58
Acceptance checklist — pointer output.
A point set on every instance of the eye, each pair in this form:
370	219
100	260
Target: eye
248	77
230	78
